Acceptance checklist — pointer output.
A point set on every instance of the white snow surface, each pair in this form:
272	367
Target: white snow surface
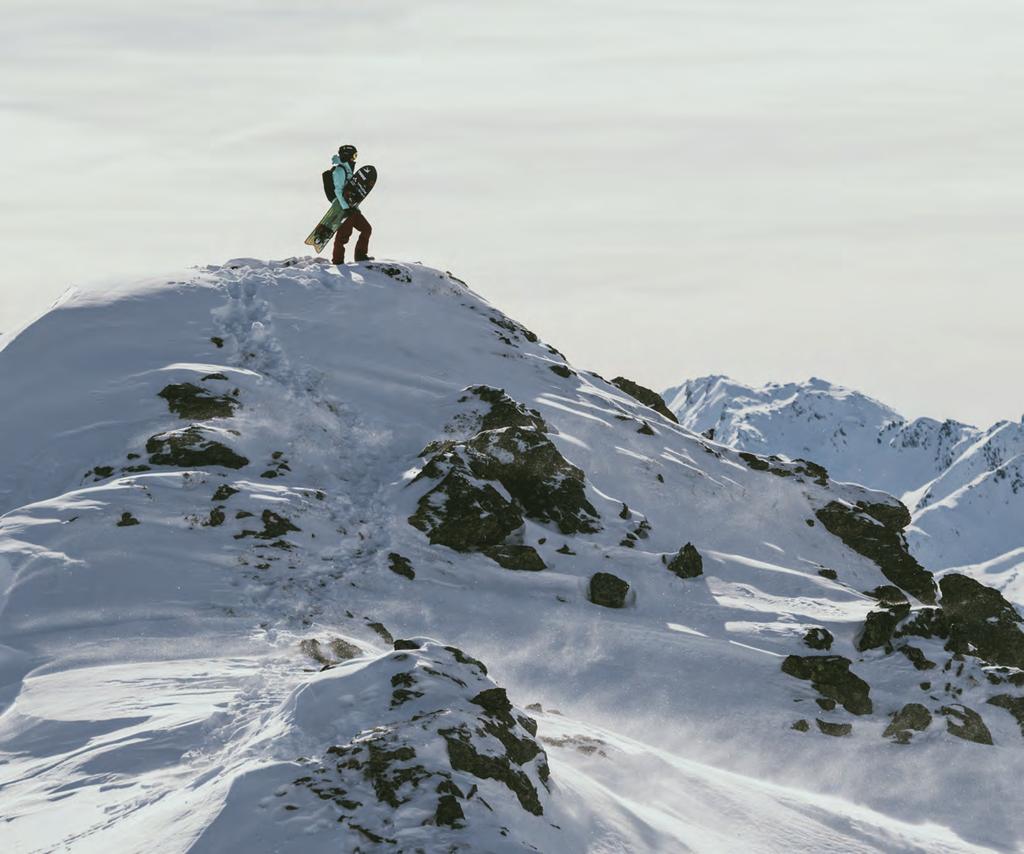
159	683
964	485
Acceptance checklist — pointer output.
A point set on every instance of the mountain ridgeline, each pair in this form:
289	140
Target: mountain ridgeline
310	558
964	486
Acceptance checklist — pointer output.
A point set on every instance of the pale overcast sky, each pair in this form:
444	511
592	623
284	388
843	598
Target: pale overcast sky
660	188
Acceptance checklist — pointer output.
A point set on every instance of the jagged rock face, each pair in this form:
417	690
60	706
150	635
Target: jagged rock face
192	448
972	619
981	621
189	401
819	638
608	590
646	396
465	511
967	724
913	717
832	678
875	531
462	512
447	764
687	563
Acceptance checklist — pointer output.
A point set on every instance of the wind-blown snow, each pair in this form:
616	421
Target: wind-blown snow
181	644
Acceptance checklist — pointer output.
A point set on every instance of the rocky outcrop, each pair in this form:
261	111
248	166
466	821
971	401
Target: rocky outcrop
523	558
687	562
967	724
608	590
191	447
818	638
875	530
830	675
646	396
193	403
913	717
449	755
466	510
981	622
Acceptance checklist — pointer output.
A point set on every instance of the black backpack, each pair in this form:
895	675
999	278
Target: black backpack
329	184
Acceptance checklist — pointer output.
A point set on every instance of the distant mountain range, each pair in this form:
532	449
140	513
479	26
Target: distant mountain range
964	485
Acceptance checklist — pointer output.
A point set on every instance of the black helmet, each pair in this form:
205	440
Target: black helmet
347	152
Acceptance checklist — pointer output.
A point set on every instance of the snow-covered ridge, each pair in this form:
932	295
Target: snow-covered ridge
304	558
964	485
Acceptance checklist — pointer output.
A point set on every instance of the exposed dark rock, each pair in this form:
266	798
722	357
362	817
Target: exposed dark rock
381	630
646	429
217	341
448	811
190	448
801	726
831	677
462	658
876	532
223	492
562	371
608	590
127	520
687	563
516	557
401	643
465	514
216	518
274	526
193	403
888	595
837	730
646	397
913	716
925	623
547	486
966	723
917	657
818	638
401	565
981	621
504	411
755	462
830	574
1014	705
879	627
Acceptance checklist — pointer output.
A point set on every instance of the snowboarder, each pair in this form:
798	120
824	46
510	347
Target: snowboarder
344	167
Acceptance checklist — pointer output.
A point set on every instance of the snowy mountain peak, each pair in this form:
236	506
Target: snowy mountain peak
957	479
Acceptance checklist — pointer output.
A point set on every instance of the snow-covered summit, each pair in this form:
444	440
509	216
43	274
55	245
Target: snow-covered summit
304	558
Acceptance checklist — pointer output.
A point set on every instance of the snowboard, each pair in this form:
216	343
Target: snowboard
357	189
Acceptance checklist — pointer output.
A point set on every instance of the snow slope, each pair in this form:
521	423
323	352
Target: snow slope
231	617
964	485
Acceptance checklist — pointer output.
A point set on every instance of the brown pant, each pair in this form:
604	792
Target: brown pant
360	224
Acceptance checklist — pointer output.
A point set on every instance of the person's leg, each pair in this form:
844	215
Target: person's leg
365	230
341	238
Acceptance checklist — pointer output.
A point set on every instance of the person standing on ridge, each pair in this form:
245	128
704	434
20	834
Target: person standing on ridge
344	167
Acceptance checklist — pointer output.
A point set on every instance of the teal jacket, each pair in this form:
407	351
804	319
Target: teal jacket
342	174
